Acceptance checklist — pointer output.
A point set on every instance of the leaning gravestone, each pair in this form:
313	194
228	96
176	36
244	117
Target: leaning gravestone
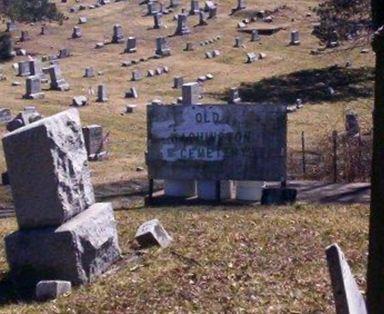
64	234
153	233
348	298
57	81
5	115
94	142
117	36
76	33
182	27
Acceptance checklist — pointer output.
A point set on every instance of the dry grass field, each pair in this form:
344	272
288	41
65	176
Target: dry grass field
237	259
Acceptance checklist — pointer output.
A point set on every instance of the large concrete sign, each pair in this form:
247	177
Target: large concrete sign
216	142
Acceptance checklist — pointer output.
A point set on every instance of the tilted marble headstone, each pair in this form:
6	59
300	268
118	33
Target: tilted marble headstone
195	8
251	57
102	94
190	93
51	183
182	27
136	75
117	36
33	88
131	45
348	298
153	233
57	81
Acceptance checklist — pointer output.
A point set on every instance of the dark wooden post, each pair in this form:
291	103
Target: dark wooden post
304	162
334	142
375	273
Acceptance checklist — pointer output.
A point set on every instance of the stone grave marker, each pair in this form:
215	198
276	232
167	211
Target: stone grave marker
33	88
11	26
295	38
94	142
255	35
202	18
136	75
132	93
153	233
131	45
25	117
24	36
189	46
83	20
157	20
182	27
240	5
234	96
57	81
211	8
117	36
348	298
35	68
102	94
150	73
162	48
352	126
79	101
174	3
238	42
195	9
76	33
190	93
178	82
5	115
64	53
251	57
24	68
89	72
52	289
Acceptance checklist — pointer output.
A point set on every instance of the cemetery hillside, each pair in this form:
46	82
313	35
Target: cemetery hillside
184	156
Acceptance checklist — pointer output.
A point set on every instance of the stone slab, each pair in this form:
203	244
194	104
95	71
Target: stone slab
47	164
278	196
348	299
78	251
52	289
153	233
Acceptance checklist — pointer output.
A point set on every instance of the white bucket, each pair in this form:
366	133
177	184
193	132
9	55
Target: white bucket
180	188
249	190
206	189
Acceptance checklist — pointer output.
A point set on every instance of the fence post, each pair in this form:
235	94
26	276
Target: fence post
334	139
304	163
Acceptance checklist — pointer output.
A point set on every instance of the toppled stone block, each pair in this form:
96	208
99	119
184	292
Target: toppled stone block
79	101
77	251
278	196
47	164
152	233
52	289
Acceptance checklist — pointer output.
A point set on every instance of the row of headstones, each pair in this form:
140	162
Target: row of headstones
137	75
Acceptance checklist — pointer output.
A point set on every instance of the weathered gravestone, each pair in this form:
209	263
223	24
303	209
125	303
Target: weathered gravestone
234	96
189	46
202	18
174	3
182	27
238	42
89	72
33	88
52	289
211	8
64	53
11	26
157	20
162	48
255	35
35	68
64	234
240	5
178	82
251	57
94	142
152	7
117	36
24	68
102	94
25	117
25	36
295	38
131	45
195	9
76	33
57	81
136	75
217	142
5	115
153	233
352	126
190	93
348	298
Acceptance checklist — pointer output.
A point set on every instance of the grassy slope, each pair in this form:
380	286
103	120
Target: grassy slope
266	260
259	259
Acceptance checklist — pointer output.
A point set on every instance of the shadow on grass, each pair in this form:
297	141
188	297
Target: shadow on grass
14	290
312	86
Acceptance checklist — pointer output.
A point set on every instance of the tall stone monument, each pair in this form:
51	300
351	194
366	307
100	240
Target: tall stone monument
64	234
